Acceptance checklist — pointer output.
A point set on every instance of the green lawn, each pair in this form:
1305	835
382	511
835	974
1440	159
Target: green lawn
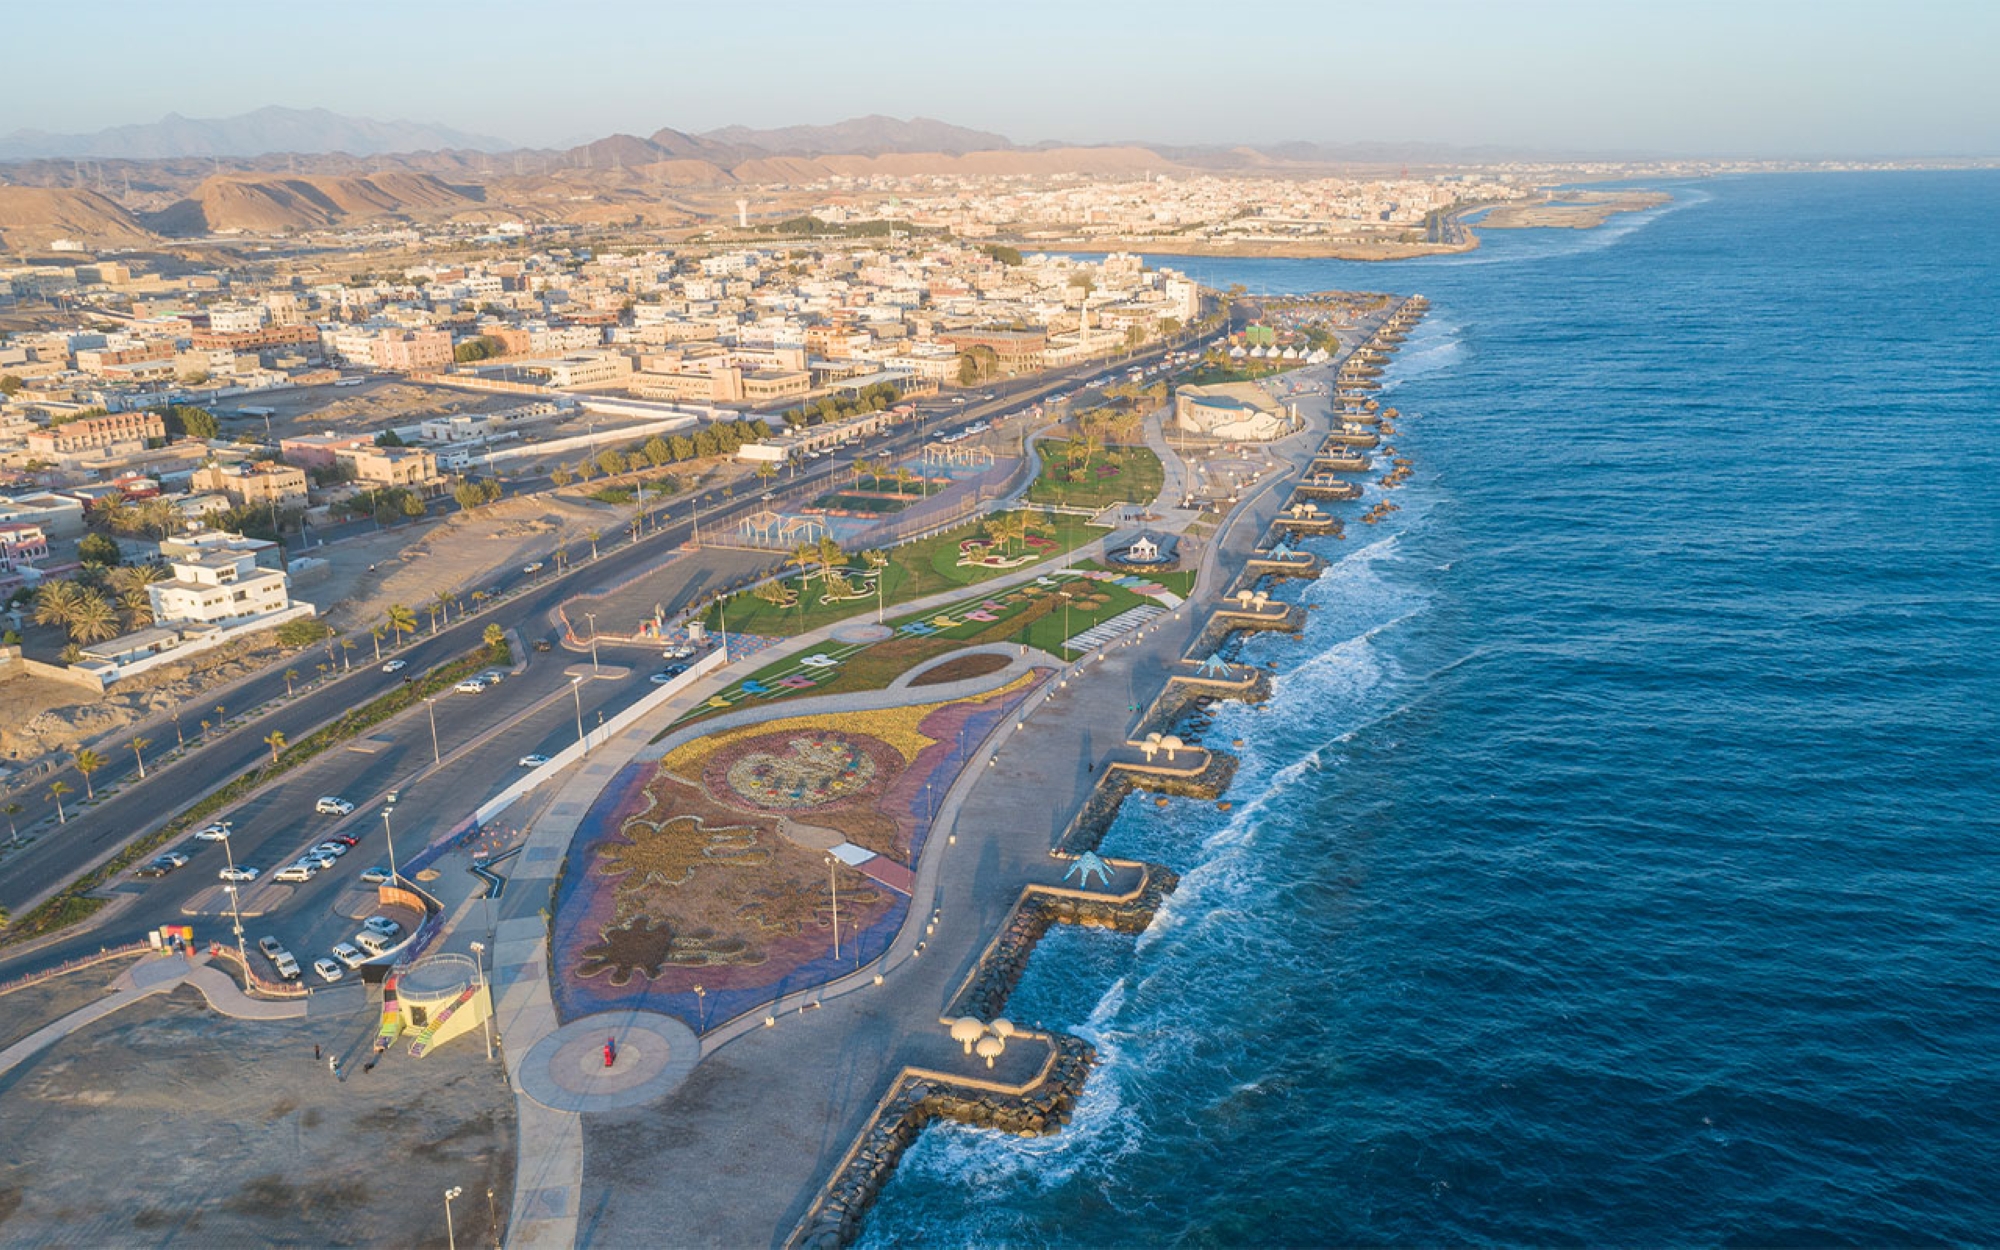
1031	614
924	567
1136	480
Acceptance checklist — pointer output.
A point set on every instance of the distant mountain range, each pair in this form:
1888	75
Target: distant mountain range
270	129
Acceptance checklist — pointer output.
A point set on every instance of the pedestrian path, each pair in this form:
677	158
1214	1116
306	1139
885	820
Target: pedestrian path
1104	631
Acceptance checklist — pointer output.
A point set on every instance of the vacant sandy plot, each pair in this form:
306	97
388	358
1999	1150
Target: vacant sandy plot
167	1123
24	1011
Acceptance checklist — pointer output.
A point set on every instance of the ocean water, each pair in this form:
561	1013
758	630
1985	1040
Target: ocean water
1617	862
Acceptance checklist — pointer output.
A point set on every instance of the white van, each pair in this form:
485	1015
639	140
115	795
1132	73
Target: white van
287	967
373	942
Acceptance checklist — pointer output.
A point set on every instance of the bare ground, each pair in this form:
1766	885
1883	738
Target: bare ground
166	1123
24	1011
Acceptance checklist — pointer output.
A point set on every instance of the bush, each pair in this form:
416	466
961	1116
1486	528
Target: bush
303	632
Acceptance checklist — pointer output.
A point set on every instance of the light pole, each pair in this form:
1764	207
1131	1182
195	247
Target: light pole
593	642
236	912
575	684
450	1236
701	1009
387	808
430	702
833	883
486	1016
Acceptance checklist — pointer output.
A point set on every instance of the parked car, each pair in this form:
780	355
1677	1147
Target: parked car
395	666
471	685
349	955
533	761
156	868
296	872
217	832
271	947
320	860
332	847
661	678
345	839
328	970
533	566
287	967
242	872
331	806
382	925
493	677
543	644
378	875
372	942
178	859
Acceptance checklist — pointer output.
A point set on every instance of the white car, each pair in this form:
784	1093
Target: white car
533	761
217	832
395	666
297	872
242	872
328	970
331	806
382	925
335	849
493	678
471	685
534	567
349	955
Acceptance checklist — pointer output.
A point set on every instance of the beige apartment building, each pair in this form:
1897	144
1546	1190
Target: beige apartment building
261	484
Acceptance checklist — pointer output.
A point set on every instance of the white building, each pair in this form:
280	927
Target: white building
217	582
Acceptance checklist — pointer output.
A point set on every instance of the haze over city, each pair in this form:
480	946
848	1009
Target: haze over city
1701	78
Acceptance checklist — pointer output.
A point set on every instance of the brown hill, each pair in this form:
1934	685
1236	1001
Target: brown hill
259	203
34	217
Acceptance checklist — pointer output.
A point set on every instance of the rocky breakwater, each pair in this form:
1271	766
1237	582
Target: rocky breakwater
1248	610
1283	563
1303	517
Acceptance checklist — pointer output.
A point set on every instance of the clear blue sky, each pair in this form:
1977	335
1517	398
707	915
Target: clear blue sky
1748	77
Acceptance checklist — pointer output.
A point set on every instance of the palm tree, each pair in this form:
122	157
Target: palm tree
291	675
593	536
346	654
139	746
803	556
402	620
137	606
276	741
375	633
443	601
830	554
92	620
495	636
55	602
12	809
87	762
56	793
903	477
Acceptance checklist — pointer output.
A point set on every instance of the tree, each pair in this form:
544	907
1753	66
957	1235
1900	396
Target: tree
188	421
903	477
389	438
139	746
291	675
276	741
375	634
93	619
495	637
803	557
657	451
412	506
55	603
469	495
561	476
10	385
767	471
12	809
592	537
56	793
402	620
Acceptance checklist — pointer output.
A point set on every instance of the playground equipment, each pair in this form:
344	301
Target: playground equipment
441	997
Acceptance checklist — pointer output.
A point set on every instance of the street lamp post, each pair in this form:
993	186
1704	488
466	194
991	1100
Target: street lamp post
575	684
833	883
701	1009
430	702
388	833
593	642
486	1016
450	1235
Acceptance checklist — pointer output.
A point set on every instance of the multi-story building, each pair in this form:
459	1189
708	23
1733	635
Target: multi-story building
216	581
260	484
117	433
22	545
391	466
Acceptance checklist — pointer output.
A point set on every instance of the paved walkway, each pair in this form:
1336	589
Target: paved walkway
734	1151
154	974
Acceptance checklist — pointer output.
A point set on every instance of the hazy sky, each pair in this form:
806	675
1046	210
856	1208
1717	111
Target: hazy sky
1743	77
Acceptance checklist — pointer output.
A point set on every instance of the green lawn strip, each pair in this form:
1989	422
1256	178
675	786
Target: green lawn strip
72	904
916	569
1030	614
1138	478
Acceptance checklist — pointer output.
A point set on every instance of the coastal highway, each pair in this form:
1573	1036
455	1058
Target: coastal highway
65	850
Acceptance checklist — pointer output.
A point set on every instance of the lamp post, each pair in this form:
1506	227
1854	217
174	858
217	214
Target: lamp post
701	1009
236	912
833	883
388	833
430	703
450	1235
576	683
486	1016
593	642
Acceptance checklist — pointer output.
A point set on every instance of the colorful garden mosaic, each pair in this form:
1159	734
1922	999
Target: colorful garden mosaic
718	864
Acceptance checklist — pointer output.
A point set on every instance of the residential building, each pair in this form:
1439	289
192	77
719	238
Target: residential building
391	466
260	484
117	433
216	581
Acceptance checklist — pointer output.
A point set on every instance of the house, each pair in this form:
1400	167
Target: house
217	581
259	483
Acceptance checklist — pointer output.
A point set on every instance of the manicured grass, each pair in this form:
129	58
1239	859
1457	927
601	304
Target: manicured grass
1136	479
1030	614
924	567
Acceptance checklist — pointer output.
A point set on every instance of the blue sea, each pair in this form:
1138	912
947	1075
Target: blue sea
1618	861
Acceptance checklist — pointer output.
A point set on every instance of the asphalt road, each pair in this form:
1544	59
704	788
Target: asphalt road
490	731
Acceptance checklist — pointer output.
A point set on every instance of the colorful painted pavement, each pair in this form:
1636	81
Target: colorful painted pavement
710	866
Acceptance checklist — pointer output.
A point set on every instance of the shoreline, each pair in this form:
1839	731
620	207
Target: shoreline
1226	603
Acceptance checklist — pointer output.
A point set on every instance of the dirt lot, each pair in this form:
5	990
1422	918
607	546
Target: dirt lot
375	405
24	1011
167	1124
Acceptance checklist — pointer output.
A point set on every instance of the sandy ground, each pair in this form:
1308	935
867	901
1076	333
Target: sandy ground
458	554
24	1011
1579	210
38	715
166	1123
